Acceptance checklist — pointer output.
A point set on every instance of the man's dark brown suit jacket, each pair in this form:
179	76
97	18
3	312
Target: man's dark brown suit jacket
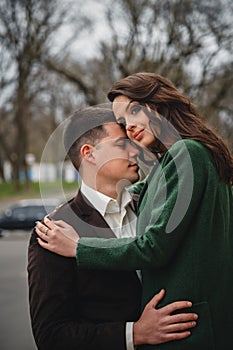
79	309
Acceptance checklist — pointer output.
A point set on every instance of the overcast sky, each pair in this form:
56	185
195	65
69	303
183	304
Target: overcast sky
86	44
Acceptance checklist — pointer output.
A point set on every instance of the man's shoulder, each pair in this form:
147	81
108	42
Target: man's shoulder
65	209
61	210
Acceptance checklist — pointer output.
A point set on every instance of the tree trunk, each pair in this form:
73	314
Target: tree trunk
16	174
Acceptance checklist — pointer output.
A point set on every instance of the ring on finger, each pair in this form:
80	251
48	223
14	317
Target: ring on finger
46	230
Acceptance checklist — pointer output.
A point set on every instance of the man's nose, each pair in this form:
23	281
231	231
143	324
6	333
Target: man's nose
133	151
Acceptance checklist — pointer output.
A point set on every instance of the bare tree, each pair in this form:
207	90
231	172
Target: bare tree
26	33
189	42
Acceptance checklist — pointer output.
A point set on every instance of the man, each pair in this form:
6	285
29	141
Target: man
86	309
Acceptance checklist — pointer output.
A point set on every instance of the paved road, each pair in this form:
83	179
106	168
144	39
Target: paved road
15	330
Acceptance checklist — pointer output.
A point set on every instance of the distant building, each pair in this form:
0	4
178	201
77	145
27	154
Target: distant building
47	172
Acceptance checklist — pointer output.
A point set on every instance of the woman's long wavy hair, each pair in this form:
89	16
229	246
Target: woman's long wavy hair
161	95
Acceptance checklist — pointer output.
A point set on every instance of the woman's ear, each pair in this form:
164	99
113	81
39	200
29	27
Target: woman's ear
148	107
155	109
86	152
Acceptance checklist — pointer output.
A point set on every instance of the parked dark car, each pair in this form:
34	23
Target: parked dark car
23	214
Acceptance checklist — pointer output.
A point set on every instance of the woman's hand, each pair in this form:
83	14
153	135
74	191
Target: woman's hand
58	237
157	326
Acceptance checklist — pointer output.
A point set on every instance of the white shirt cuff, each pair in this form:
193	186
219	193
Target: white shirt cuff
129	336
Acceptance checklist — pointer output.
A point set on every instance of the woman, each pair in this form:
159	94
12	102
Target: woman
185	224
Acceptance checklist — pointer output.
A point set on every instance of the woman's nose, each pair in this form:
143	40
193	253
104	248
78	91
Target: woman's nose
129	127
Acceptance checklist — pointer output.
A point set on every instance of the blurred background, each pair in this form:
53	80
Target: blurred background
60	55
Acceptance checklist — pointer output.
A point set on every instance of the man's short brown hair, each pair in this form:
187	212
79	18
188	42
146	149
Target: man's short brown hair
85	126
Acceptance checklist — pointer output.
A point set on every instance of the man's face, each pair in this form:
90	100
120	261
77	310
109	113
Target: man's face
115	157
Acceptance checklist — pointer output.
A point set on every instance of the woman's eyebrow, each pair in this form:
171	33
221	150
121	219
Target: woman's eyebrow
128	105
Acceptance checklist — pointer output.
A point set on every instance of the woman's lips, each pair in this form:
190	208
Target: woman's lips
138	135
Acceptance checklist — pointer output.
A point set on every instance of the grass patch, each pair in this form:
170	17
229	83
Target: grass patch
7	189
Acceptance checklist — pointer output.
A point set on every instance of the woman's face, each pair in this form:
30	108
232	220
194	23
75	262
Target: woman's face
131	114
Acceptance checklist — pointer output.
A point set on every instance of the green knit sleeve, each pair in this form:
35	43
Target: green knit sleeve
137	188
166	212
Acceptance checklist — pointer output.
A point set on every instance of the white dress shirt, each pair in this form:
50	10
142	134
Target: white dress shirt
122	219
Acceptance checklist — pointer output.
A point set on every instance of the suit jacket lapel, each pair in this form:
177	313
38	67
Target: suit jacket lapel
89	221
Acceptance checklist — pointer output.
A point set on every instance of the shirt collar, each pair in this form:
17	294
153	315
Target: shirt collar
105	204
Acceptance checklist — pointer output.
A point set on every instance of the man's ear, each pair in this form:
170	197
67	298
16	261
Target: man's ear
86	152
